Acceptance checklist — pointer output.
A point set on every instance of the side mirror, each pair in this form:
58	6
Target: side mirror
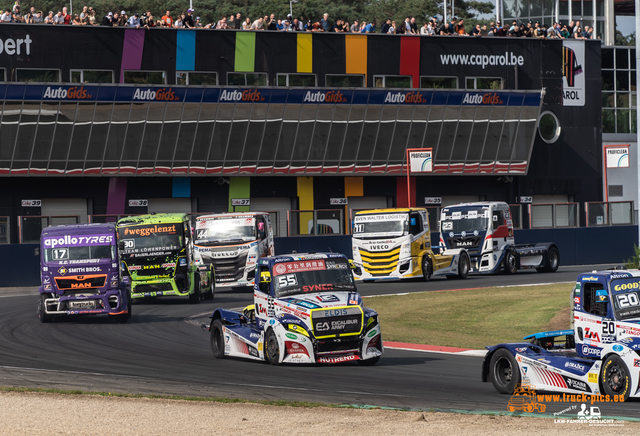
121	245
352	265
265	277
602	296
413	221
261	227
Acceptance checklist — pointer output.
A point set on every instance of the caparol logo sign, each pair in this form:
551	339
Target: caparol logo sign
162	94
71	93
477	98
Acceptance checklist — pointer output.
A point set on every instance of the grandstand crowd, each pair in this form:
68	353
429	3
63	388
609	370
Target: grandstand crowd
435	26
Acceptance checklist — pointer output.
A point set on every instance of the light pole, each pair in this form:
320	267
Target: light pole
291	2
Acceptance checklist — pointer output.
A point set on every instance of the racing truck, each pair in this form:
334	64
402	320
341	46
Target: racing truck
232	243
306	310
79	273
157	253
600	355
484	230
396	244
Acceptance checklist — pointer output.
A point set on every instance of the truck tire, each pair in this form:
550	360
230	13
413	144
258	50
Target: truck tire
427	268
553	261
615	378
217	339
212	289
510	262
124	317
463	266
194	298
504	371
42	314
271	348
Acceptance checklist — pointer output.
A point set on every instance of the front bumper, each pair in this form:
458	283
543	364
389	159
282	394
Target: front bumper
405	268
157	288
112	302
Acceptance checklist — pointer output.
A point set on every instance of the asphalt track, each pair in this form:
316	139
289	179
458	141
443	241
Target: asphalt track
162	350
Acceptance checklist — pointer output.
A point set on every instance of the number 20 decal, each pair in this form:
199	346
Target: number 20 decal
608	328
628	300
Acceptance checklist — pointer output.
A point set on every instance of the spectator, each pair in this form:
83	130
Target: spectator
92	17
527	31
500	31
446	30
106	21
189	22
414	26
515	32
565	32
258	24
58	18
247	24
6	17
199	23
407	25
66	16
231	23
239	21
76	20
122	20
167	18
16	7
134	21
475	31
370	28
392	28
385	26
575	27
29	16
297	25
48	19
459	29
272	23
222	24
355	27
424	30
179	23
84	14
308	27
336	27
484	31
325	23
587	34
148	20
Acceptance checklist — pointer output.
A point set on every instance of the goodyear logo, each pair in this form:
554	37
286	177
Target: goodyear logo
324	97
72	93
405	97
589	279
162	94
626	286
247	95
488	98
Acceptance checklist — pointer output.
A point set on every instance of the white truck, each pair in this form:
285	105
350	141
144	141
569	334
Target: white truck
485	231
233	243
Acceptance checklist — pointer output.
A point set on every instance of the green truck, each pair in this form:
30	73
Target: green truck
157	253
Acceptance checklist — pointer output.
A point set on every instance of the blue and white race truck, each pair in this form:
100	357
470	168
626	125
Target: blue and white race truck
599	356
485	231
306	310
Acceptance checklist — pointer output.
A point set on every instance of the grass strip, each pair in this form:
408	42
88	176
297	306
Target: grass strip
470	318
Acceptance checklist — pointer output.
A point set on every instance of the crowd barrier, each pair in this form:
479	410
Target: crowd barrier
577	245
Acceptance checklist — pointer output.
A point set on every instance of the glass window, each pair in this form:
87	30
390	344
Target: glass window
439	82
303	80
3	77
392	81
344	80
484	83
145	77
36	75
247	79
91	76
194	78
549	127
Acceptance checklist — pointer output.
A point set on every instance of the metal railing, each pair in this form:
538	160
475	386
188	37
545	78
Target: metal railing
554	215
30	226
315	222
613	213
5	230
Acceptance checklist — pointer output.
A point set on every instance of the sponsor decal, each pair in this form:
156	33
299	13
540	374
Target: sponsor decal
617	348
354	302
47	287
405	97
576	300
150	230
324	97
420	161
380	247
576	366
381	217
252	351
593	378
521	350
246	95
16	46
62	271
589	279
67	241
508	59
169	265
587	351
299	266
303	303
71	93
291	336
577	384
162	94
317	288
338	359
295	348
588	334
331	264
476	98
327	298
573	77
636	363
372	333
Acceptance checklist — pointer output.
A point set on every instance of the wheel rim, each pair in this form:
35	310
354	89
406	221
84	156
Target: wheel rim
553	261
616	378
426	267
503	371
217	340
511	262
272	347
464	265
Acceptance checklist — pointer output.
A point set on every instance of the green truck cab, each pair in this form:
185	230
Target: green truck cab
157	253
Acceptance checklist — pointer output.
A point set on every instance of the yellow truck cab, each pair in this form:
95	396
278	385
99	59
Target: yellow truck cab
396	244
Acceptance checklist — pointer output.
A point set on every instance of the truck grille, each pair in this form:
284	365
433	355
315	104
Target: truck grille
473	242
229	269
380	263
81	282
336	322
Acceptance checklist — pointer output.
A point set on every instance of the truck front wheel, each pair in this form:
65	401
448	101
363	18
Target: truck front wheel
271	348
614	378
212	288
42	314
217	339
510	262
427	269
194	297
504	371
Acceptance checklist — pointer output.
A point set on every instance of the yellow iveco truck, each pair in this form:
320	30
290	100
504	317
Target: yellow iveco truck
396	244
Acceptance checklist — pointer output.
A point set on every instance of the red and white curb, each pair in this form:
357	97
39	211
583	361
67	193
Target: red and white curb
434	349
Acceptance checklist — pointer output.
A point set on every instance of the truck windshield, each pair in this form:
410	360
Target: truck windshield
385	225
79	253
308	276
154	237
221	231
626	298
464	220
